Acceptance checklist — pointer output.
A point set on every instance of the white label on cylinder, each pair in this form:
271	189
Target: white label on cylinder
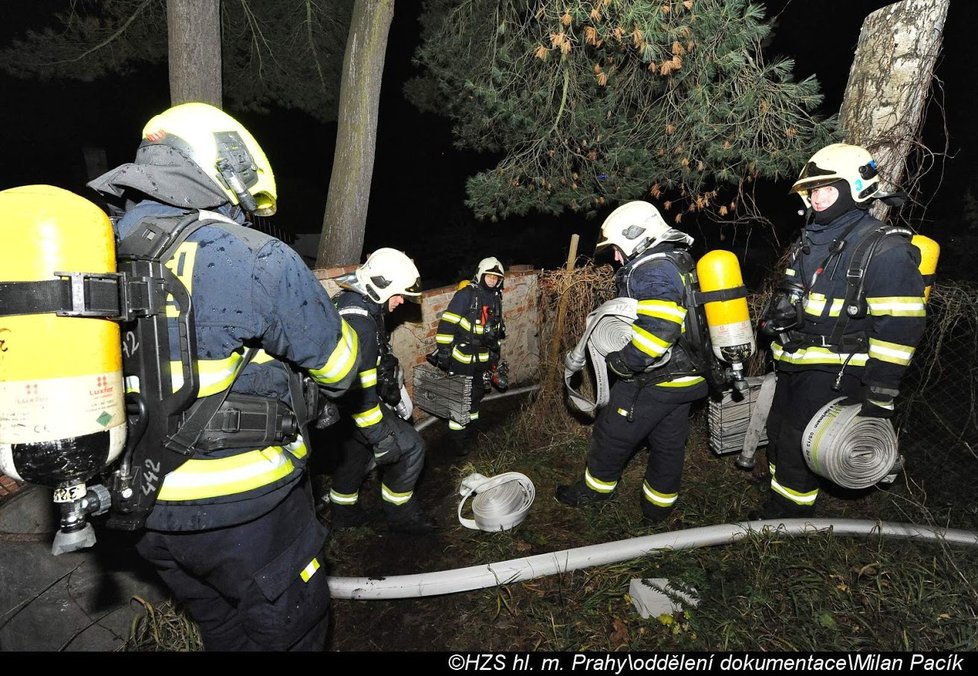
728	335
33	411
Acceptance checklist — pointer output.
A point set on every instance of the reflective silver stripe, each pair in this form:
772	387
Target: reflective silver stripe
392	497
647	342
894	353
341	361
657	498
818	355
343	498
444	338
803	499
368	378
199	479
458	355
371	416
450	317
309	570
897	306
597	485
668	310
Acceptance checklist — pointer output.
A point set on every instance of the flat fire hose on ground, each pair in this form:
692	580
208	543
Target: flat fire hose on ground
608	329
500	503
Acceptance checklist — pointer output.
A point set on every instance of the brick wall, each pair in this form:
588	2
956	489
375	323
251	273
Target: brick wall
414	335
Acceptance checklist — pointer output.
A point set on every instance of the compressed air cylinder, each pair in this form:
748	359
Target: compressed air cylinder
930	251
729	320
62	417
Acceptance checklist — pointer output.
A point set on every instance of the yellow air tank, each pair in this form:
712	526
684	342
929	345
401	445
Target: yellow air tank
930	251
62	418
728	320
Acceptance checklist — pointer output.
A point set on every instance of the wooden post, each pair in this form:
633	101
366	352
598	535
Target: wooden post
554	360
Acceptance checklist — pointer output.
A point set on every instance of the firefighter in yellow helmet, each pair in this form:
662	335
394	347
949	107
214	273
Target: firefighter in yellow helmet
847	318
233	531
468	337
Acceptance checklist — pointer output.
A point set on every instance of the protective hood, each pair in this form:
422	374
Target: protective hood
165	175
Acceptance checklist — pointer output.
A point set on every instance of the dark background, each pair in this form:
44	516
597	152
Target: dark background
419	178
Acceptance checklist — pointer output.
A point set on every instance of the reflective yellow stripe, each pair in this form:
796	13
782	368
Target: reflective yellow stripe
836	308
341	361
458	355
444	338
452	425
622	412
474	416
814	304
368	378
817	355
790	272
450	317
343	498
894	353
215	374
897	306
478	329
657	498
371	416
262	357
597	485
662	309
181	264
200	479
803	499
465	323
309	570
392	497
682	381
647	342
484	356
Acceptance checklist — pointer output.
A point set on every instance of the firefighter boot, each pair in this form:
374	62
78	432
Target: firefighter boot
653	514
578	494
349	516
460	441
408	518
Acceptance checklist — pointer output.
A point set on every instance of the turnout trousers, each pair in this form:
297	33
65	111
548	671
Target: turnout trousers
797	398
255	586
637	414
357	457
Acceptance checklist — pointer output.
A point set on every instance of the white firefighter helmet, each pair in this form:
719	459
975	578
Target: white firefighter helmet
489	266
839	162
223	149
388	272
634	227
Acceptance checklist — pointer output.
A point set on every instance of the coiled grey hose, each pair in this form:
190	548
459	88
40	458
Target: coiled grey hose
500	503
848	449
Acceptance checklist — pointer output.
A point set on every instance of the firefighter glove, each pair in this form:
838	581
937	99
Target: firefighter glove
617	364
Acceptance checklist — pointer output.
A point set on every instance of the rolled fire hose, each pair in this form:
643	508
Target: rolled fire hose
500	503
608	329
488	575
850	450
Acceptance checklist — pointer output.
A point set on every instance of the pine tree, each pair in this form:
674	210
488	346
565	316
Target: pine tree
598	102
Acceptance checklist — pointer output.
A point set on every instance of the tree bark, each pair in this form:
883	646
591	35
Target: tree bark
890	78
345	218
194	33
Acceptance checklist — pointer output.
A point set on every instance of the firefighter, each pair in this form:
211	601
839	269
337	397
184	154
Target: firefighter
468	338
827	344
234	532
656	377
373	432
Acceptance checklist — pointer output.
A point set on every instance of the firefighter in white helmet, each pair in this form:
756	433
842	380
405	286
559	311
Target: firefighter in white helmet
657	377
468	338
371	431
846	321
233	531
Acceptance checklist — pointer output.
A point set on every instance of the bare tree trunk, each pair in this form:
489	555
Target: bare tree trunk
194	32
345	219
883	107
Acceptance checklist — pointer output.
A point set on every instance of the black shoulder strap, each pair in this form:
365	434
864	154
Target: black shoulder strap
854	303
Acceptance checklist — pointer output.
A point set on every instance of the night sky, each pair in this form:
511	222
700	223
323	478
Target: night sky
418	188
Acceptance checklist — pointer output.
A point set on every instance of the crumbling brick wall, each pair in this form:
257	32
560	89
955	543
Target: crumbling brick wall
414	335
